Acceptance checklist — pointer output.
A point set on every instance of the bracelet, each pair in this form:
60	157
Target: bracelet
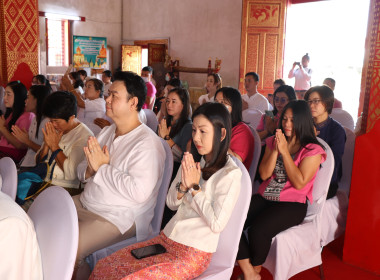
178	187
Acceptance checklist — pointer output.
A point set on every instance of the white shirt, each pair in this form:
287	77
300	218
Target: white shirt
19	251
204	98
29	159
257	101
141	115
125	190
93	109
200	219
106	88
72	144
302	78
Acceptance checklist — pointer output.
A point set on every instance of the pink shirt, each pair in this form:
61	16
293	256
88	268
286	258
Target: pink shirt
151	92
261	125
282	186
22	122
242	143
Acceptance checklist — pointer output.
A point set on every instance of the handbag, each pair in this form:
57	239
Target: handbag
31	183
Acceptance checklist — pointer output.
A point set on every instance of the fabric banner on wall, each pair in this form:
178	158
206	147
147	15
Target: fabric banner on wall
131	58
90	52
19	40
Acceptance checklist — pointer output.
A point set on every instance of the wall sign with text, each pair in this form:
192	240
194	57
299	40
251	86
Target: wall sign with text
89	52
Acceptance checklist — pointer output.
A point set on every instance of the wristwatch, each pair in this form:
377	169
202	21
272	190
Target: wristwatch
195	187
178	187
167	137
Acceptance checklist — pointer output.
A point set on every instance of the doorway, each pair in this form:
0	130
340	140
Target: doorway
333	34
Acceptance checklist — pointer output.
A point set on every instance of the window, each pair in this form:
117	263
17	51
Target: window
57	42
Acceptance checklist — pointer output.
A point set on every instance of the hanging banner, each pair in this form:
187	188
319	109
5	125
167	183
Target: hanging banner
89	52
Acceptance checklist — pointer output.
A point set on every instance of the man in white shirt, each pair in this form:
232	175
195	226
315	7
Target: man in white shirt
106	78
123	172
253	99
19	252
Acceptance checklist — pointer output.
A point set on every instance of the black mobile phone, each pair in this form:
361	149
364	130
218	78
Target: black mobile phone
148	251
269	114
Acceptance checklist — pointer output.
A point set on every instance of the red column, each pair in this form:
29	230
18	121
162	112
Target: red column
362	242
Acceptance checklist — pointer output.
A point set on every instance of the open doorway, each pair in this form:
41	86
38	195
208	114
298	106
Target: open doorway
333	34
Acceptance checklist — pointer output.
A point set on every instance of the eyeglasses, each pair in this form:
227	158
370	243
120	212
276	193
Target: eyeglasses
281	100
314	102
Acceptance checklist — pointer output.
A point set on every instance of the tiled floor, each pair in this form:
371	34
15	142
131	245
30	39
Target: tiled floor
333	266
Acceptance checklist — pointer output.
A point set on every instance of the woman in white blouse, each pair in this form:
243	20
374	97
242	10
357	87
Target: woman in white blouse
213	83
204	195
34	138
92	106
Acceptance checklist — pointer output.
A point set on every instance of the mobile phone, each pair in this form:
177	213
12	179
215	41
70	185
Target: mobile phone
148	251
269	114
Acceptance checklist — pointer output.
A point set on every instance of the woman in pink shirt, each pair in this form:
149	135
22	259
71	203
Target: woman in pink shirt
289	167
14	101
242	140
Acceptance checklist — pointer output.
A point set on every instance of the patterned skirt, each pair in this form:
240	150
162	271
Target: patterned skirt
179	262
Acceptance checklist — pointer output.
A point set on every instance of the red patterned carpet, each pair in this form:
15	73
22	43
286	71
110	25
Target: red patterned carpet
333	266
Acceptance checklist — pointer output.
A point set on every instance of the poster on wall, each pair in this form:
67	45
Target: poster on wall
89	52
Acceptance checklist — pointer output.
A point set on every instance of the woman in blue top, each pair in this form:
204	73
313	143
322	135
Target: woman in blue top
321	102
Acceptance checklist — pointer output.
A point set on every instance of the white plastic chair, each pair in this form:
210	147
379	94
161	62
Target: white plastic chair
347	161
223	260
56	222
334	213
256	155
151	118
8	173
299	248
252	117
157	218
343	117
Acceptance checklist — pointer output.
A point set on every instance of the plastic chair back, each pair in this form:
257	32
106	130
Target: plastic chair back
347	161
256	155
321	183
151	119
8	173
56	222
343	117
252	117
223	260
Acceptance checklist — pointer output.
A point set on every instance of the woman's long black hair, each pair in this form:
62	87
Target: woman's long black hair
303	125
220	118
183	95
43	81
77	80
234	98
39	92
20	92
288	90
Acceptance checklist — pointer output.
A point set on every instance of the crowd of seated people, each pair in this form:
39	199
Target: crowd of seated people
121	168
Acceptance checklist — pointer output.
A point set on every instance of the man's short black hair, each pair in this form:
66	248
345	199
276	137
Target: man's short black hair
148	68
60	105
107	73
254	75
134	84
